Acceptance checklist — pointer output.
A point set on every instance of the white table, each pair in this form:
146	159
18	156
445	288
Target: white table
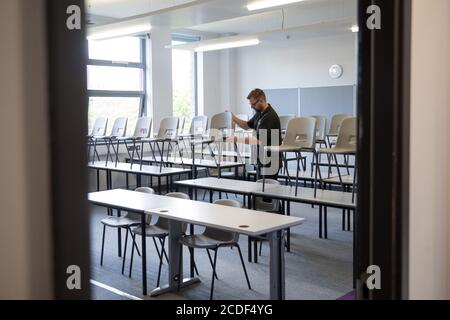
179	211
151	171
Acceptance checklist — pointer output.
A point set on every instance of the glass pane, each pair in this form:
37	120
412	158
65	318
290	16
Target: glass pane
115	78
183	76
113	108
121	49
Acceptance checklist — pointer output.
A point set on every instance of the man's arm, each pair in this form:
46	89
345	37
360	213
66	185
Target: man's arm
241	123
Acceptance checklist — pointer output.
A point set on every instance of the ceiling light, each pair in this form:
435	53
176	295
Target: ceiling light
263	4
227	45
355	29
119	30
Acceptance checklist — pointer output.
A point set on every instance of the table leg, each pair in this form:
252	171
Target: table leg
277	272
144	258
192	256
175	263
320	221
288	230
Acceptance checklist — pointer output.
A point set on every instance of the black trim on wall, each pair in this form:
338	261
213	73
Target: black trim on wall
383	109
68	115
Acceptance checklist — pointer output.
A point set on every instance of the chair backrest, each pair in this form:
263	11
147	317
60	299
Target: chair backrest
301	133
222	235
336	122
119	129
163	222
99	129
143	127
270	205
347	137
321	127
222	122
181	124
199	125
168	128
284	121
145	190
136	216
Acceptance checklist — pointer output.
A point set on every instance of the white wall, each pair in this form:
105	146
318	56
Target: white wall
429	190
293	64
25	230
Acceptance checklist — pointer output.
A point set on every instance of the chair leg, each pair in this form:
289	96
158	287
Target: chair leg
125	250
103	245
211	262
191	252
339	172
180	266
243	266
213	273
297	173
260	248
163	250
160	262
132	256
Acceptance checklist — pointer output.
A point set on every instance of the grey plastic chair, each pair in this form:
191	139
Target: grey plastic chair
199	125
300	137
221	122
99	128
336	122
345	145
141	131
98	132
118	131
213	239
167	133
160	231
284	122
126	222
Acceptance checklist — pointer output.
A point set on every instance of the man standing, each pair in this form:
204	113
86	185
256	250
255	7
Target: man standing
266	124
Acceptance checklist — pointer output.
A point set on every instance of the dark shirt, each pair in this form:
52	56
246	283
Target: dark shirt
267	120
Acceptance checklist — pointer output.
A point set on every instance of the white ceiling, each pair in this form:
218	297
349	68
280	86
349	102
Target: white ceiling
227	16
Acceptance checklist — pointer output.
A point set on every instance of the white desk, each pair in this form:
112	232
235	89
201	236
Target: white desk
180	211
150	171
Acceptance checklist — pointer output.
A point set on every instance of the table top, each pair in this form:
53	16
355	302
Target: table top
205	163
336	199
136	169
224	185
305	195
242	221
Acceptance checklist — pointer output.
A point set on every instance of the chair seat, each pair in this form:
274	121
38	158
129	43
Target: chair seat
201	241
119	222
337	151
151	231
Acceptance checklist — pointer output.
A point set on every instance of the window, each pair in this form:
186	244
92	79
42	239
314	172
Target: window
116	80
184	82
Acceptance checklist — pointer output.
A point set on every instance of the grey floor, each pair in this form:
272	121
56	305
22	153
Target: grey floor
316	269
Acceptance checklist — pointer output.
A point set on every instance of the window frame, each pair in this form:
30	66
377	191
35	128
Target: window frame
187	38
124	64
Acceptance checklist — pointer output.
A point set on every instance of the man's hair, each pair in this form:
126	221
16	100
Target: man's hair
256	94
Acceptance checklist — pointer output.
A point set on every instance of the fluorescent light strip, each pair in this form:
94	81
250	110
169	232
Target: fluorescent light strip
114	290
118	31
258	5
228	45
